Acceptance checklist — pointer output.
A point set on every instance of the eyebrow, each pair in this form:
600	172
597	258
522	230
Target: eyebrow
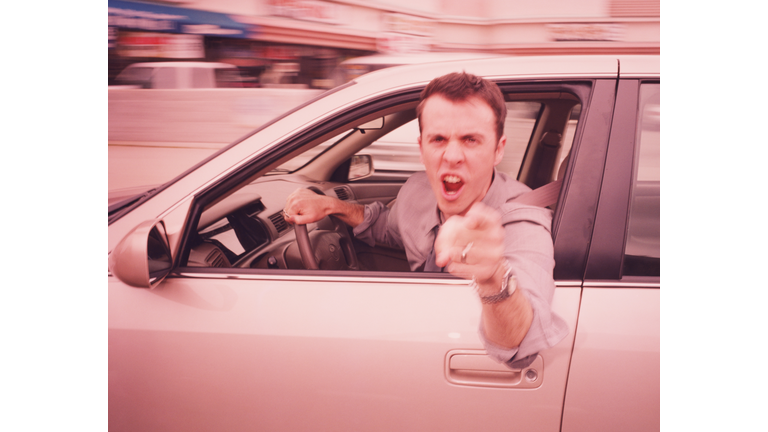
434	135
475	135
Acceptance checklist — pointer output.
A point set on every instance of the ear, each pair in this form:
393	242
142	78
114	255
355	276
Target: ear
500	150
421	150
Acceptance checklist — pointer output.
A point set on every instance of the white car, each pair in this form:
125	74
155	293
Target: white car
215	323
179	75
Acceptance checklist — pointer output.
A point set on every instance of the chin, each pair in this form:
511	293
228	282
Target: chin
452	208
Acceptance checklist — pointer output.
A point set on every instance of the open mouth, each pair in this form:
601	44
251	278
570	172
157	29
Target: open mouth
452	184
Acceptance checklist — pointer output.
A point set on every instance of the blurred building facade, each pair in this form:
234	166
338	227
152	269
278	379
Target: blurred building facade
298	43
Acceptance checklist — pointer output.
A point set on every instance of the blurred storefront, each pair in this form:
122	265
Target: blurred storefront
298	43
290	56
141	31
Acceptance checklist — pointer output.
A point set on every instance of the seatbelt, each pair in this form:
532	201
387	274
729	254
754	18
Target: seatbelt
543	196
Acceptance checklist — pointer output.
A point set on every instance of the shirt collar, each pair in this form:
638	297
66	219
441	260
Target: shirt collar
496	195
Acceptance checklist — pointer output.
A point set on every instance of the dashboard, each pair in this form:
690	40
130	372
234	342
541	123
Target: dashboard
248	230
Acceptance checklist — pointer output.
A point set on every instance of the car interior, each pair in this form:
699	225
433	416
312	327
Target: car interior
363	161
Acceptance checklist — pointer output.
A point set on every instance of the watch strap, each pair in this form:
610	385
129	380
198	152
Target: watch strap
505	291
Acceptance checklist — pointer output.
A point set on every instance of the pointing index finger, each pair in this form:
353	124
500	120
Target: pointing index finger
481	217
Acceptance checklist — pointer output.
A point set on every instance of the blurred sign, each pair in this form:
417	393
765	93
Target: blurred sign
586	32
309	10
396	43
145	44
279	52
405	34
112	37
408	24
153	17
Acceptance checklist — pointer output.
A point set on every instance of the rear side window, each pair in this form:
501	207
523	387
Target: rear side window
642	253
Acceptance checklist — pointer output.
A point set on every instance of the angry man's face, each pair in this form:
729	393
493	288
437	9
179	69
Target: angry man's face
459	149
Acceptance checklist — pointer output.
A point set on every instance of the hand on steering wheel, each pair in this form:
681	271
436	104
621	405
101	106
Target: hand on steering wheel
306	206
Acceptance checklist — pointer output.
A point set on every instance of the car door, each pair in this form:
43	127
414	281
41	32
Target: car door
614	379
245	349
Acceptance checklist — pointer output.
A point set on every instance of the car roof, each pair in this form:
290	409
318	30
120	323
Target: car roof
539	67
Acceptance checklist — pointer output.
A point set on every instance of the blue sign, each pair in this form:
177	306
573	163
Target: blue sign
169	19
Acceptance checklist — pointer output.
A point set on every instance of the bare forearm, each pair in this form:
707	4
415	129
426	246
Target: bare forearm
349	213
506	323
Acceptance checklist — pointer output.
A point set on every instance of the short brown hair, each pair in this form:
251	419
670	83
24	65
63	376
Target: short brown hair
460	86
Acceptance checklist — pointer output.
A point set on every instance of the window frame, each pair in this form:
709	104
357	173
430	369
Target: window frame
591	124
606	251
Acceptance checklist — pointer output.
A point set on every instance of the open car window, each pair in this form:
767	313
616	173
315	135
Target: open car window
398	150
303	159
246	229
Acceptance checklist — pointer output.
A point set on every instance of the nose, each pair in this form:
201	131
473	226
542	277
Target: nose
454	153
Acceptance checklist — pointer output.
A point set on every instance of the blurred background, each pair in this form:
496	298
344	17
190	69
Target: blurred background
187	77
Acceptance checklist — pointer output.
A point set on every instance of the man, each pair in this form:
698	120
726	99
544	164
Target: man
467	224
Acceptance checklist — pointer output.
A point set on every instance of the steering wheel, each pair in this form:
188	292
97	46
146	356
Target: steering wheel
345	243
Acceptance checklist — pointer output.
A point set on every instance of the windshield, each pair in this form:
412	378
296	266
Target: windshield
306	157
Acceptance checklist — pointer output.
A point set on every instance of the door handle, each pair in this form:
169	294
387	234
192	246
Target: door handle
475	368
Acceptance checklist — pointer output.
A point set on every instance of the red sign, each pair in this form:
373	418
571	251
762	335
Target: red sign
159	45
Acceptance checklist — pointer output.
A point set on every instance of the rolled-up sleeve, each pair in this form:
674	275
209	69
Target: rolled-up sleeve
529	249
377	228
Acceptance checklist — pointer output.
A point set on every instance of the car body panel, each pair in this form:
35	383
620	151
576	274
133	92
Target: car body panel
614	379
343	365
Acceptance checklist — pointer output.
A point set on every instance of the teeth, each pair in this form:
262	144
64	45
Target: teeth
452	184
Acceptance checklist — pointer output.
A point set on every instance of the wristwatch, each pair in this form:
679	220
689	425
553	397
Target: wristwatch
508	287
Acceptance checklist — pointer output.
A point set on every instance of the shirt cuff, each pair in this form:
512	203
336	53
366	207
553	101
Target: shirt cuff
363	230
501	355
506	356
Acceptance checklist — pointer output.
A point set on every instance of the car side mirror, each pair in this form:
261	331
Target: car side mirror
360	167
142	259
